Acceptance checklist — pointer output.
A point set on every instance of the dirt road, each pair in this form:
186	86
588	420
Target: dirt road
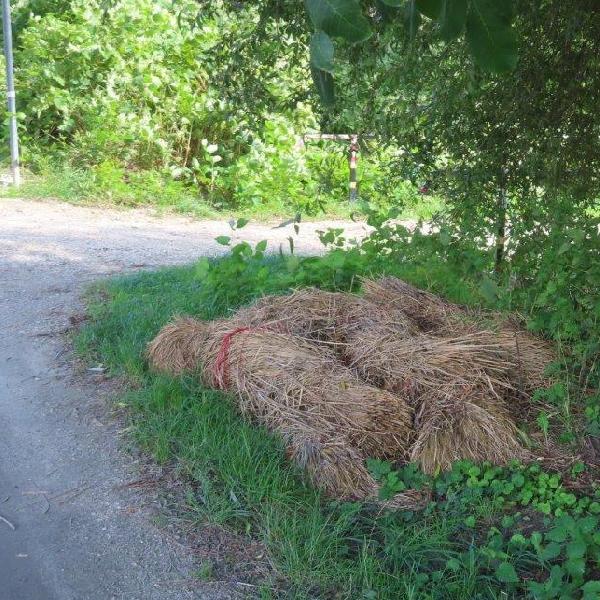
79	531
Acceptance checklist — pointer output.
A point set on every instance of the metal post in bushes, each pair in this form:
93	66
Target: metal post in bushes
10	94
352	156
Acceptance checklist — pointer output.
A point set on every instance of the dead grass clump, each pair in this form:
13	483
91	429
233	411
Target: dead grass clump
337	468
421	378
331	420
463	421
328	317
530	354
176	348
332	464
521	356
431	313
411	366
309	313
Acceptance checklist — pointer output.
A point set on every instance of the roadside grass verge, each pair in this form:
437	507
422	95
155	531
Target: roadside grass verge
488	532
126	189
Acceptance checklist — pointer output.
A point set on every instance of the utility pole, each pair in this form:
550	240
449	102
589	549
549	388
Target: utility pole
10	94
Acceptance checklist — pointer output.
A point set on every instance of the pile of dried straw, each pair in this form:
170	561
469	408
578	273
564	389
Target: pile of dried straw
396	374
330	420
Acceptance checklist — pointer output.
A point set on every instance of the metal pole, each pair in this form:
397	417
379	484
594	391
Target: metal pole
353	179
10	93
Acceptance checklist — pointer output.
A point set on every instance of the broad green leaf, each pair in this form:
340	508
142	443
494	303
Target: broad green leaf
261	246
557	534
241	222
223	240
339	18
591	590
576	549
490	36
575	567
506	573
321	52
470	521
551	551
429	8
324	84
452	18
588	524
453	564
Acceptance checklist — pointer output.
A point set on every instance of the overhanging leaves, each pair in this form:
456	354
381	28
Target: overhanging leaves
490	36
324	84
339	18
452	18
412	19
430	8
321	52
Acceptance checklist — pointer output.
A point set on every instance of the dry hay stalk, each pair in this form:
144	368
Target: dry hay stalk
522	356
291	385
176	348
531	354
337	468
463	421
410	366
308	313
301	391
321	316
431	313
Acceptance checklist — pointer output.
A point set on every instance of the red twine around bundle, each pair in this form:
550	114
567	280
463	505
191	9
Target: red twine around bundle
219	370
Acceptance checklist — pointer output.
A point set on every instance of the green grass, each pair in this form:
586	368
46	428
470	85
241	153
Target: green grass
458	548
108	184
88	188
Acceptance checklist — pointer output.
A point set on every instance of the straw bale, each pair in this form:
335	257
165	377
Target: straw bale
288	383
327	317
429	312
409	366
176	348
521	356
330	419
463	421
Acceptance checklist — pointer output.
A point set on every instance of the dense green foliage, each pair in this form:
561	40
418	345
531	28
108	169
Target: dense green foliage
486	24
489	532
146	101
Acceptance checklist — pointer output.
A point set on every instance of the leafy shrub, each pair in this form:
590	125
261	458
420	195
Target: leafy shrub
142	85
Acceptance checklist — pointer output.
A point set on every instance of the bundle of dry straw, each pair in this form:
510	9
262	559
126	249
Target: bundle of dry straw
463	420
522	356
396	374
177	347
459	373
428	311
302	392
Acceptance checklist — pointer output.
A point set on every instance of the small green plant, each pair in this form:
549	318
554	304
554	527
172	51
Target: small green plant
205	571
